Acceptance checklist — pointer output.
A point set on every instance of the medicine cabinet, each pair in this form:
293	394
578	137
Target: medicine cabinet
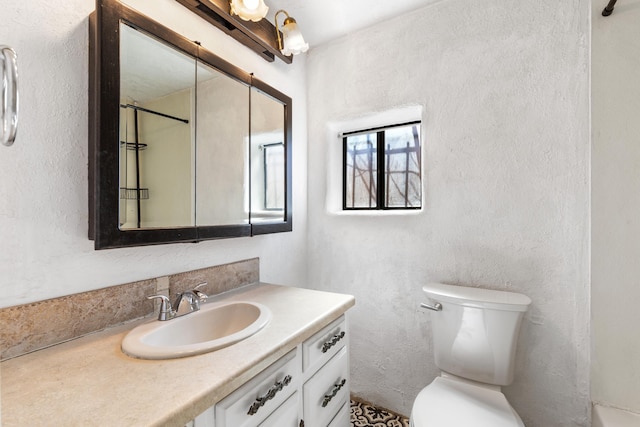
183	145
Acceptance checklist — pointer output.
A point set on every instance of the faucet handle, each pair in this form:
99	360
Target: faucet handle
166	312
202	297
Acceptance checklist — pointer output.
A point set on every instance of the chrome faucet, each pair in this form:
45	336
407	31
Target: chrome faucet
186	302
202	297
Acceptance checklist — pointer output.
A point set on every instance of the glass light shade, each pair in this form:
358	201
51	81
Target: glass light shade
249	10
292	39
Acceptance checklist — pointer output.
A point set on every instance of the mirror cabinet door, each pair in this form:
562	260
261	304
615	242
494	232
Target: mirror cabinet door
222	129
157	93
268	190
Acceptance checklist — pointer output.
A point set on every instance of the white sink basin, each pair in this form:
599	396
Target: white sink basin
214	326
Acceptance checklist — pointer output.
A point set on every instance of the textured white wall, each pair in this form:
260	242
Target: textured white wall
615	206
504	87
44	250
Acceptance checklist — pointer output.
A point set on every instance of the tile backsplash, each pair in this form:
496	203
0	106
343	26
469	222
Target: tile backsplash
30	327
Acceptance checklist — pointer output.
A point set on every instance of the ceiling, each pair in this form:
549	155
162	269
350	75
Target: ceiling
324	20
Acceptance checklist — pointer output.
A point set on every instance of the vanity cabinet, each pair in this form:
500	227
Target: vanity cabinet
325	358
306	338
307	387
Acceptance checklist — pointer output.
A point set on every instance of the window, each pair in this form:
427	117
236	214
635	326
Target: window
382	168
274	177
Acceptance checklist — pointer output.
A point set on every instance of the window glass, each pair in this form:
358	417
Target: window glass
361	171
382	168
402	167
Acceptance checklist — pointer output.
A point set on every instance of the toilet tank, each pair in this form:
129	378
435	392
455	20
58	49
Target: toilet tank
476	332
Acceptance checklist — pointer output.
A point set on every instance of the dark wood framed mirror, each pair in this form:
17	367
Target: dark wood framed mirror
183	145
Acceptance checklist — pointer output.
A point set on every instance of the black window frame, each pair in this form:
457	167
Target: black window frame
381	193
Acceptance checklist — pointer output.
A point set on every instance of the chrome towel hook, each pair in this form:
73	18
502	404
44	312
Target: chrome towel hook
9	101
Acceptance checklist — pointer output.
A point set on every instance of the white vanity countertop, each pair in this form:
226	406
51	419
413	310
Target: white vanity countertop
89	381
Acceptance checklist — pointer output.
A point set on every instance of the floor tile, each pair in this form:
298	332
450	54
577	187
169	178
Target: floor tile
365	415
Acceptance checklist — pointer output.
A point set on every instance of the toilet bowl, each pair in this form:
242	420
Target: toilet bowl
474	339
452	402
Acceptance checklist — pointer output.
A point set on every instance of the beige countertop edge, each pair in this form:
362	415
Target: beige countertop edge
89	381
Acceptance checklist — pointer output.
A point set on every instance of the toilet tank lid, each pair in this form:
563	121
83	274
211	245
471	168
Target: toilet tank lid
478	297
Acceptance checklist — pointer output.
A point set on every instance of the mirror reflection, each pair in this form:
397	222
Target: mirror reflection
157	92
184	139
222	111
267	158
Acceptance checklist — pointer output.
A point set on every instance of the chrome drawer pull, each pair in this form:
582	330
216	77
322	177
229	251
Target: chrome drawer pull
270	394
333	341
336	389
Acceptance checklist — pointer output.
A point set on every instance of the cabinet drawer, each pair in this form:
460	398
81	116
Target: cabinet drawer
287	415
254	401
205	419
320	347
343	417
327	391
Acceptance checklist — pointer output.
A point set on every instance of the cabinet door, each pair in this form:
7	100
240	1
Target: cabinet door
327	391
205	419
343	417
287	415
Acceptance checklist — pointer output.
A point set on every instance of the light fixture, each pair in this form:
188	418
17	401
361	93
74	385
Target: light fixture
249	10
293	41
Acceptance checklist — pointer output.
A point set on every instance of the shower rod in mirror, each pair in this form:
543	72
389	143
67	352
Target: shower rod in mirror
608	10
9	106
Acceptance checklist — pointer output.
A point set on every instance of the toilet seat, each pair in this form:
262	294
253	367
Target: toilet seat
450	402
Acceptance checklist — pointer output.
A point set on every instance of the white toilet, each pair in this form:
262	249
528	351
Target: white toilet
475	332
